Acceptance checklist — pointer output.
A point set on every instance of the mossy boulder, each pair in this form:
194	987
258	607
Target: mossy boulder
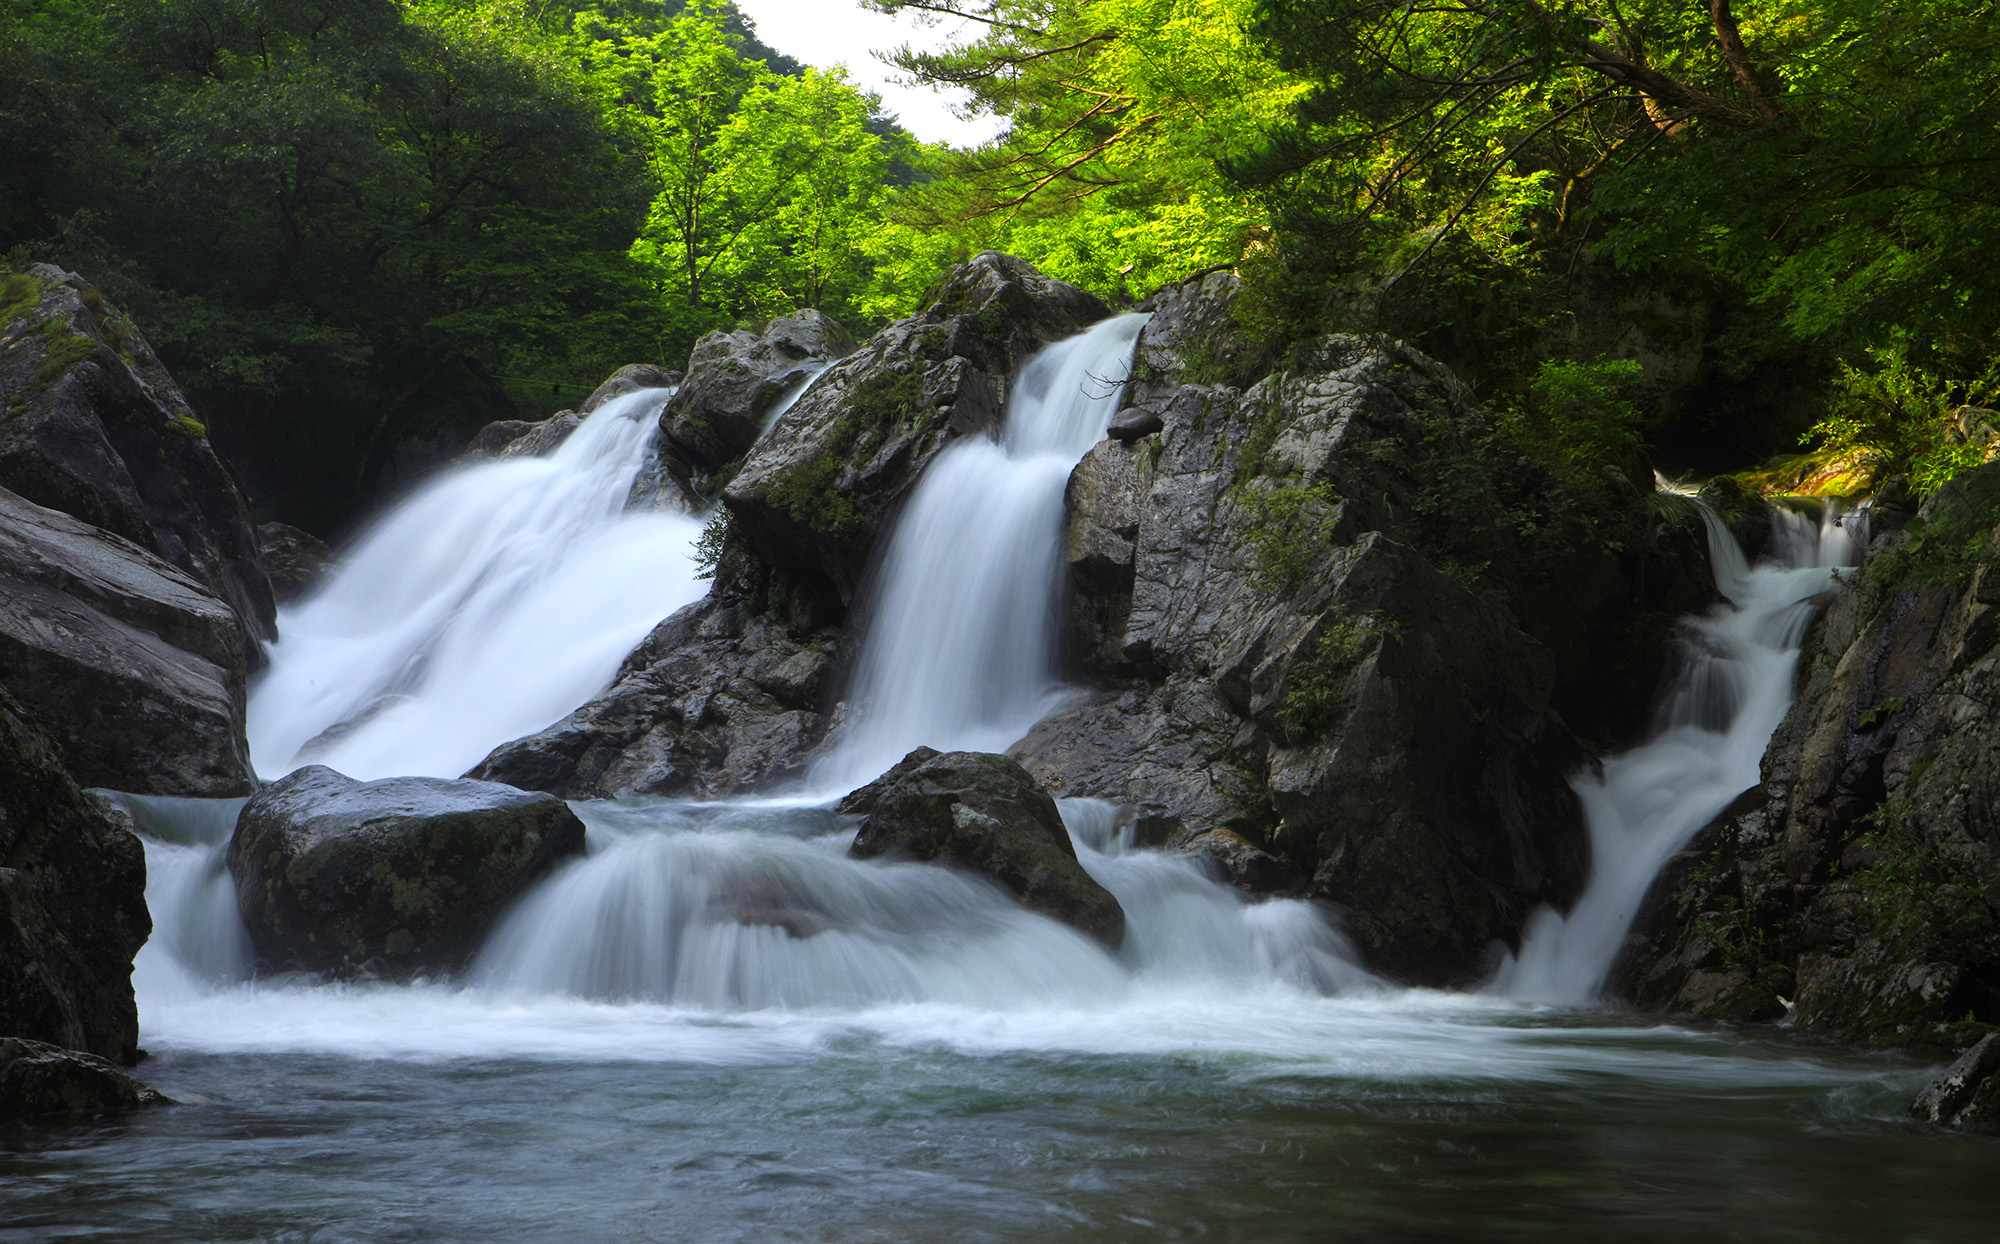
813	496
984	814
396	877
92	425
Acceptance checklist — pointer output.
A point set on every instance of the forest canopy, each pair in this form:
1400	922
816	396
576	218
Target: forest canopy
349	224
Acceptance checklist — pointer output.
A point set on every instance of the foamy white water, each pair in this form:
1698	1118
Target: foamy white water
481	609
959	651
1714	724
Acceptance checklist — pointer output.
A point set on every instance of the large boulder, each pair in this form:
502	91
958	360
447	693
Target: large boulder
714	702
298	561
1967	1093
812	497
1285	671
127	660
39	1078
398	876
1855	891
734	379
72	903
983	813
91	424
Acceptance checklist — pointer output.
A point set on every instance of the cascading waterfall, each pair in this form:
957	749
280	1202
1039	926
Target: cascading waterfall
960	647
1714	724
481	609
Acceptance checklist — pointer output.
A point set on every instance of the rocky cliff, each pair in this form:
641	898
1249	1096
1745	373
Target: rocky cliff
1853	891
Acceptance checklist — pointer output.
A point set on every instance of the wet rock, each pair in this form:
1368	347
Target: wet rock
297	560
39	1078
985	814
92	425
734	380
1132	423
716	701
630	379
813	496
1856	889
1280	670
1967	1093
1236	861
397	876
72	902
543	437
487	443
134	667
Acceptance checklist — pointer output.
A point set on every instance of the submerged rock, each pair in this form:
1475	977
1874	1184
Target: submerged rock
985	814
94	426
38	1078
136	669
400	876
72	902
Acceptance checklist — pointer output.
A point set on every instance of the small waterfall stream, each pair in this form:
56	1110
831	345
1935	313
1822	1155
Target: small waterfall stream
1714	723
481	609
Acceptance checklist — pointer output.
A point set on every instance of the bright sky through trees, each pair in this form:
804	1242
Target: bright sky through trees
827	32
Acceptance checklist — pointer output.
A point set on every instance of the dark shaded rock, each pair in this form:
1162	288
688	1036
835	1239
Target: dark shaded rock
1236	861
1287	674
985	814
135	668
487	443
1856	888
813	496
402	875
735	378
39	1078
296	560
543	437
92	425
630	379
716	701
72	903
1966	1094
1133	423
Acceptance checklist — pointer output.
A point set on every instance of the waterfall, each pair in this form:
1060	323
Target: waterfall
1715	720
481	609
960	648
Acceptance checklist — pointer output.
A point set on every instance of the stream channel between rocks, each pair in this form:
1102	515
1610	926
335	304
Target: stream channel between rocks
718	1026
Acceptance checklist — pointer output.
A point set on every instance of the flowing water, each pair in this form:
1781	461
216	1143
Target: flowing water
717	1027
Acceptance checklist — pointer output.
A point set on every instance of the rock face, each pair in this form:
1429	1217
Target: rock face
715	701
38	1078
813	496
137	670
734	691
1967	1093
402	875
1856	889
1281	670
734	379
72	904
985	814
92	425
296	560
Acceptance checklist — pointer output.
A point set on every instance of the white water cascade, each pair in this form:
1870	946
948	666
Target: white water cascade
1714	724
483	608
960	646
